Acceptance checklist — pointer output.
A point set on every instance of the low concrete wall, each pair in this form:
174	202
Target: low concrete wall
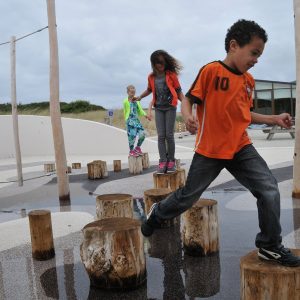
81	137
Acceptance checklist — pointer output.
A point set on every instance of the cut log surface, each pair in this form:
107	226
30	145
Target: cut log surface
113	253
117	165
135	164
200	229
145	161
41	234
172	181
114	206
97	169
265	280
50	167
76	165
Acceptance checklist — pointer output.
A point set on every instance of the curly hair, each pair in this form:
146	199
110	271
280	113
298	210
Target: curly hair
171	63
243	31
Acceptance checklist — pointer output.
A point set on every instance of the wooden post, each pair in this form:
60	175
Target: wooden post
41	234
145	161
117	165
152	196
135	164
200	229
113	253
177	162
15	109
69	170
172	181
76	165
49	167
57	131
262	280
103	167
94	171
114	206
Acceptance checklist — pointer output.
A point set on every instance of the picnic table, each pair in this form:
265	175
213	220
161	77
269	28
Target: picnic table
277	129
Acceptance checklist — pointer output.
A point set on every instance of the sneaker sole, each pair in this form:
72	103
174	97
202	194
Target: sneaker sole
173	171
264	258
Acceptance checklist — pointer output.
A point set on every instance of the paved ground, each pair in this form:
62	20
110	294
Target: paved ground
171	273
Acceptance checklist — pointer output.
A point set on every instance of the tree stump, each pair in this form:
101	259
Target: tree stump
172	181
261	280
135	164
145	161
69	170
177	162
200	230
41	234
117	165
114	206
50	167
113	253
97	169
154	196
76	165
103	167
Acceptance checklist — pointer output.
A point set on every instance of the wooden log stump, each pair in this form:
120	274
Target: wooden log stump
76	165
114	206
69	170
152	196
103	167
135	164
262	280
94	171
200	229
41	234
49	167
177	163
113	253
172	181
145	161
117	165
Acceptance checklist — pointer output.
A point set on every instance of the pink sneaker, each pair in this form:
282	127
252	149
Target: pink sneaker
171	167
162	167
133	153
138	150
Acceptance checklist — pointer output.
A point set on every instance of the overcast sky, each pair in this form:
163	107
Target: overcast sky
104	45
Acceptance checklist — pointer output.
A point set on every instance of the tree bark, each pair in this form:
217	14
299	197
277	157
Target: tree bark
172	181
135	164
261	280
114	206
117	165
145	161
50	167
113	253
76	165
200	229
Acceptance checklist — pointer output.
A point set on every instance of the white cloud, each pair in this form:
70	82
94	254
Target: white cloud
105	45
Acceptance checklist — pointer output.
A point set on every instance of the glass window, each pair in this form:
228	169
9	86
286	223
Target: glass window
262	85
281	85
264	102
282	93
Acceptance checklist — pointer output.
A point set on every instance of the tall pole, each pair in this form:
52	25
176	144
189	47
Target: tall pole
58	137
14	110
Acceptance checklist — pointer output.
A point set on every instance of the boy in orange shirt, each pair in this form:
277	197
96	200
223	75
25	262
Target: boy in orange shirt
222	91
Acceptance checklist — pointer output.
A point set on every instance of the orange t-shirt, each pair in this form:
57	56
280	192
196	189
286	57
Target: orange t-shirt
224	98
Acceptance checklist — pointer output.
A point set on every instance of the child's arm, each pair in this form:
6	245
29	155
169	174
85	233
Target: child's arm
142	95
187	114
283	120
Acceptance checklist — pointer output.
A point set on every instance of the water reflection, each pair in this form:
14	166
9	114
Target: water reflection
202	275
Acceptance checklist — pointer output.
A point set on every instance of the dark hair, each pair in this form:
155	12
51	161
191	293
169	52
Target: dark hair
171	63
243	31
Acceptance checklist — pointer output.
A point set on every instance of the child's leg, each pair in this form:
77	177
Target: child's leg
249	168
141	134
202	172
131	134
170	117
161	134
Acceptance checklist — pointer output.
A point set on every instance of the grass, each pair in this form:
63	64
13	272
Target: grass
100	116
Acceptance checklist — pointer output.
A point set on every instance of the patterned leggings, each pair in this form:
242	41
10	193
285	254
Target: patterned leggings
132	133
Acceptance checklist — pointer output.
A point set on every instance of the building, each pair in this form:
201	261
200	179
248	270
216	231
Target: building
274	97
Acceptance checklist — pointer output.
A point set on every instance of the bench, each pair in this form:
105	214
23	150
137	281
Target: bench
277	129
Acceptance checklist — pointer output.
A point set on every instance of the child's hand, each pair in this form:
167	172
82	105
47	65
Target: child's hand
134	99
191	124
149	117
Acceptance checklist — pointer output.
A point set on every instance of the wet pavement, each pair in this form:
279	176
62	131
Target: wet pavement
171	274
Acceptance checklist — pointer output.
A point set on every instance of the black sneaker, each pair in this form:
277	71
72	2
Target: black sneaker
150	223
280	254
